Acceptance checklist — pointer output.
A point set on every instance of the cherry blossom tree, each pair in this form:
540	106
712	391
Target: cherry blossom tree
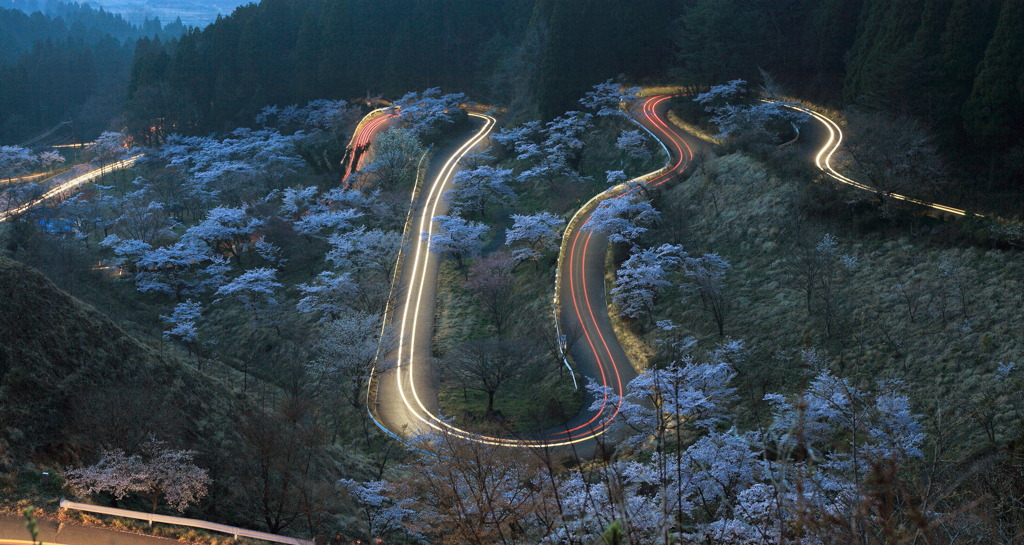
536	234
519	139
737	114
140	216
252	285
473	190
396	153
330	295
427	111
610	98
615	177
329	116
173	270
554	151
223	230
49	160
368	254
233	169
346	350
327	220
182	322
109	147
706	276
474	494
385	507
296	200
127	252
622	218
270	252
323	216
159	472
643	276
15	161
456	237
634	144
696	478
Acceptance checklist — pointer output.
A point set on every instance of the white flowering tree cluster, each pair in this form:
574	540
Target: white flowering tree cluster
534	235
385	508
643	276
457	238
109	147
320	115
623	218
157	473
551	151
707	481
226	170
634	144
396	153
737	112
345	351
475	189
610	98
16	161
428	111
683	471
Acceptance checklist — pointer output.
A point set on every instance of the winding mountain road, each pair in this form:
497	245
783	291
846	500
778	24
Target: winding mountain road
63	187
403	398
822	140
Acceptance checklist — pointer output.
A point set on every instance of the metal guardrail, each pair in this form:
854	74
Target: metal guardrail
179	521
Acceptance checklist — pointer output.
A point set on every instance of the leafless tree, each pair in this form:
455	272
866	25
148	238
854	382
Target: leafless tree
895	154
486	365
476	494
492	282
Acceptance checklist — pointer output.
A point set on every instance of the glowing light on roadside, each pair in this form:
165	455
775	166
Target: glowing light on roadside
73	183
823	160
408	360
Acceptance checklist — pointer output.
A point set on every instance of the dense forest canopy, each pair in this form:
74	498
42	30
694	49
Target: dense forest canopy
957	64
67	64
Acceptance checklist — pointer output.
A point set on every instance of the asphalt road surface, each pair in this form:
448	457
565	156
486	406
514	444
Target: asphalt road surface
13	528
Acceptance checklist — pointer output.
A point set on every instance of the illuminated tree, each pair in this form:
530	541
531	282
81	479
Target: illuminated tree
159	472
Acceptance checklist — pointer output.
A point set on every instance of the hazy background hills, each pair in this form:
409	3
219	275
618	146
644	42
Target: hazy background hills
198	13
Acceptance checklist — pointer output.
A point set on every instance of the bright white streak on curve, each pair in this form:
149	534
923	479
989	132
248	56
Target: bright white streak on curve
420	259
824	162
90	176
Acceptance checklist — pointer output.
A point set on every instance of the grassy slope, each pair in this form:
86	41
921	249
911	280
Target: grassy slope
751	218
73	382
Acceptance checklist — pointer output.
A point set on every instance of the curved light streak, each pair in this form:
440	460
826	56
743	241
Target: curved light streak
823	160
408	361
365	132
73	183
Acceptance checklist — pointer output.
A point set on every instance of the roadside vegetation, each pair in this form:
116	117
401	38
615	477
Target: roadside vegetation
521	192
256	279
791	281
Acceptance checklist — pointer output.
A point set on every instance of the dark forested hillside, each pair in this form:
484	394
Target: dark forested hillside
68	64
286	51
20	30
955	64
